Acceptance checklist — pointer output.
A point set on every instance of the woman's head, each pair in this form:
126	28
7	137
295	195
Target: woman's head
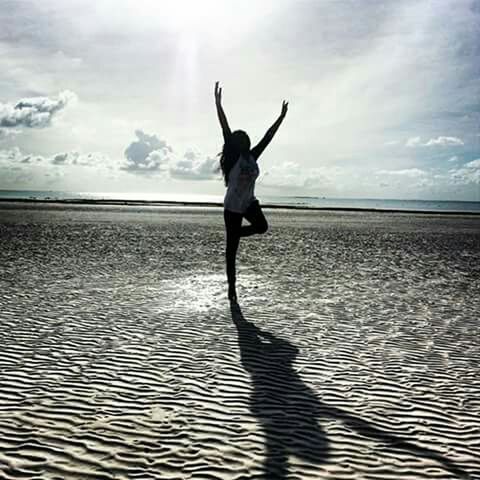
237	144
240	141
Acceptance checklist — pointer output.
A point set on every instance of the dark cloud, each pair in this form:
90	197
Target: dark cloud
60	159
193	167
35	112
147	155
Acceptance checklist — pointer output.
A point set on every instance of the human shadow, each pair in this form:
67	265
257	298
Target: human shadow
288	410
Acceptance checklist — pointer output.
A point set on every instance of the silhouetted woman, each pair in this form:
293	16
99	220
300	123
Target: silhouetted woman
240	171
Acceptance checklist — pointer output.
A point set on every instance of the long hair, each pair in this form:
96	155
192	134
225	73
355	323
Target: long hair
238	143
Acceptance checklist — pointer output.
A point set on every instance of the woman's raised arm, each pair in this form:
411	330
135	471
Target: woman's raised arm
221	114
262	144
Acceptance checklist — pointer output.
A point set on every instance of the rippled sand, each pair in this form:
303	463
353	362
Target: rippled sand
354	352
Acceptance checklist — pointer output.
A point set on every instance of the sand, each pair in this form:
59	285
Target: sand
353	354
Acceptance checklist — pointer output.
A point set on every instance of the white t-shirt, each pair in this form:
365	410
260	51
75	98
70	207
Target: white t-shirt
241	184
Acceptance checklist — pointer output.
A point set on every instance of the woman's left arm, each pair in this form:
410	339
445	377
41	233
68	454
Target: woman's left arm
267	138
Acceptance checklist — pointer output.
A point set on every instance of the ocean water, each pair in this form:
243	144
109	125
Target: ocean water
288	201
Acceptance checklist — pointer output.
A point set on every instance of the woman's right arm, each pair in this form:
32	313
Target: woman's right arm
267	138
221	114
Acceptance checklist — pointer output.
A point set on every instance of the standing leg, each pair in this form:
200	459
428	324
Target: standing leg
257	219
233	225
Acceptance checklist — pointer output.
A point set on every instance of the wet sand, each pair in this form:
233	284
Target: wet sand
353	354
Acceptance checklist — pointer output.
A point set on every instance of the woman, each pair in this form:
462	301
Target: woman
240	171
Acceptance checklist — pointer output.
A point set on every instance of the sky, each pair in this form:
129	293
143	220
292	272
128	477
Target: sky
117	95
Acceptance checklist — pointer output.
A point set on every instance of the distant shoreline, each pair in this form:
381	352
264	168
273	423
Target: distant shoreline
173	203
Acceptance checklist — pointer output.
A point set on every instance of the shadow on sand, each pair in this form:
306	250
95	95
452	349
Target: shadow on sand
288	410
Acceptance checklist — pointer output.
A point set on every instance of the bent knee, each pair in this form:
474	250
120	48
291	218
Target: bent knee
262	228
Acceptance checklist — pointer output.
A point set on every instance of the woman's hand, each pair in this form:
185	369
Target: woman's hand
284	109
218	94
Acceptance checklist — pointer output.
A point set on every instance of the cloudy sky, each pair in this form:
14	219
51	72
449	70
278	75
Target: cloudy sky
117	95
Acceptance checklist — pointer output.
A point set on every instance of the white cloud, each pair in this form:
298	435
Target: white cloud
473	164
11	156
467	174
151	156
453	159
34	112
15	158
407	172
193	167
147	155
444	141
441	141
290	175
92	159
291	178
6	133
413	142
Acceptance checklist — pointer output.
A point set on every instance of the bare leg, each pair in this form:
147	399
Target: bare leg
257	219
233	225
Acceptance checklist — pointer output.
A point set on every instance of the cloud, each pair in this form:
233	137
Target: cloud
34	112
407	172
20	170
147	155
193	167
441	141
14	158
473	164
453	159
92	159
11	156
444	141
467	174
290	175
60	159
413	142
8	133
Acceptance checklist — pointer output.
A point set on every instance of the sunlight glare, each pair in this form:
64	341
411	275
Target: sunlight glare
193	15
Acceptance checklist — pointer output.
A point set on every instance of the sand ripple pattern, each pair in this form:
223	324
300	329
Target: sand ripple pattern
354	353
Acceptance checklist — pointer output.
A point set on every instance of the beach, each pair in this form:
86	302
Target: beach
353	354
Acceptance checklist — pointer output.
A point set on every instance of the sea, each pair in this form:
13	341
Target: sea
278	201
